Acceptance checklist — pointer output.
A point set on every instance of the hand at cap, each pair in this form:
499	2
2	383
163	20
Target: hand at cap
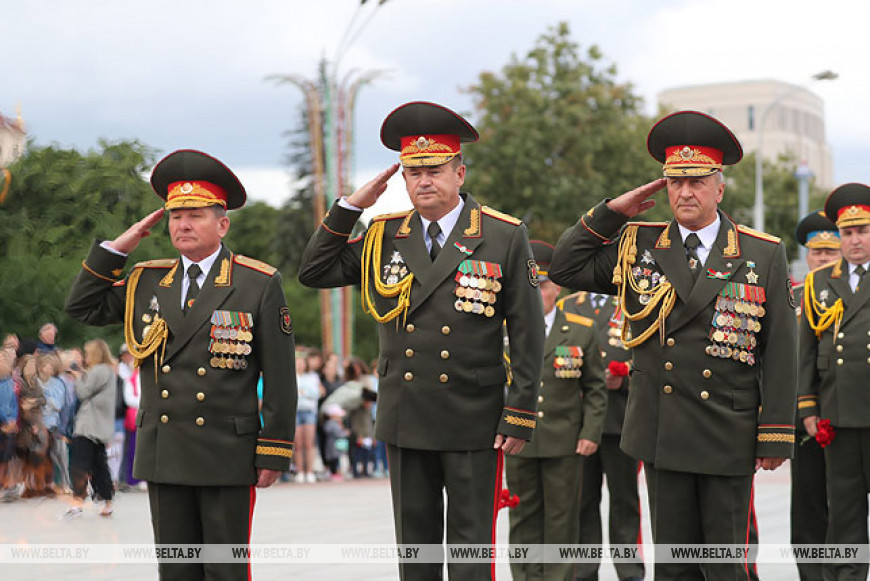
632	203
129	240
368	194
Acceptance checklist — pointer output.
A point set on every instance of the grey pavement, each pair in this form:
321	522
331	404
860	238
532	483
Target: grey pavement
357	511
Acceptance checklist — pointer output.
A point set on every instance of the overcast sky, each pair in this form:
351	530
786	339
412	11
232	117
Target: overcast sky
191	73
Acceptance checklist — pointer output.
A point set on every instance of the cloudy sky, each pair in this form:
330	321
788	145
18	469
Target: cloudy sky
192	73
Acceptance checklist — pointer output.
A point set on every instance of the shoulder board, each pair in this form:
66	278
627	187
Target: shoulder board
655	224
254	264
572	318
579	297
500	216
392	216
161	263
756	234
829	266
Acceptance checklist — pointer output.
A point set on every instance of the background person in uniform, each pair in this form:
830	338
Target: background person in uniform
546	474
713	335
834	367
609	462
442	279
809	501
203	328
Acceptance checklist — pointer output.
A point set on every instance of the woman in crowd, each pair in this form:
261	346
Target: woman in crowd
48	367
310	389
32	444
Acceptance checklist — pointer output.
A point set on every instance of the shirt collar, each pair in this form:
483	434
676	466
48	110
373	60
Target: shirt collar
707	234
205	264
549	318
852	267
446	222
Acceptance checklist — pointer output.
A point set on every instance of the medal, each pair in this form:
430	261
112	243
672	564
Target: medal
489	311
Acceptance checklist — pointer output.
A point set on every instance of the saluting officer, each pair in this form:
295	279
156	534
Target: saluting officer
203	328
711	325
441	279
620	469
546	474
834	366
809	501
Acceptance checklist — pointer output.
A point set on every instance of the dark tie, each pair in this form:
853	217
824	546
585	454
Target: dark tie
434	230
860	271
692	242
599	301
193	272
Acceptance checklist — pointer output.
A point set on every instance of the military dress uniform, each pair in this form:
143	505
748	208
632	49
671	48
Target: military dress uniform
706	352
834	366
546	475
441	396
199	437
620	469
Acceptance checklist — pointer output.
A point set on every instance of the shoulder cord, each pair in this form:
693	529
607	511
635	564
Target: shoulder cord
157	333
825	316
371	260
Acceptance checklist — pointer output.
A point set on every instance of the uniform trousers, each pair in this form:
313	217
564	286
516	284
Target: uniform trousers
697	509
202	515
847	463
418	481
549	493
809	503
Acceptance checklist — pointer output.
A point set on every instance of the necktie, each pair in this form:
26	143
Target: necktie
193	272
692	242
860	271
434	230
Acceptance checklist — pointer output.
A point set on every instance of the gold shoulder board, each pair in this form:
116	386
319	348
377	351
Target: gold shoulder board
580	320
392	216
757	234
254	264
500	216
657	224
161	263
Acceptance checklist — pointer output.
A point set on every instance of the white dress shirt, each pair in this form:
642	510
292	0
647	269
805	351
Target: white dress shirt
205	264
549	319
854	278
707	236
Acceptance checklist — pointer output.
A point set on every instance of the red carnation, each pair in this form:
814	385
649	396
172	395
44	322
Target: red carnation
825	434
506	499
618	368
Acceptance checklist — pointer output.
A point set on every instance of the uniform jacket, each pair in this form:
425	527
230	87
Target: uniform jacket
834	368
569	408
197	422
441	375
689	410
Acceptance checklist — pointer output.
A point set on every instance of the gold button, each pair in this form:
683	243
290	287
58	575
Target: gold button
839	361
445	354
409	352
841	335
540	414
200	396
200	371
540	398
705	395
668	389
410	327
164	394
542	384
868	346
839	348
200	421
165	369
445	330
670	341
164	419
868	360
669	365
443	378
409	376
707	373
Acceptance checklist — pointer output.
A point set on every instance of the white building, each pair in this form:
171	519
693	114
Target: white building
13	138
794	119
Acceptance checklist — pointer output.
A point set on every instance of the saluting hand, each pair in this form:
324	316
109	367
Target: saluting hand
632	203
129	240
368	194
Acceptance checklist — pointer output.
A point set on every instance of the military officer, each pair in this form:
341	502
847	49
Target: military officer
203	328
620	468
440	279
809	502
546	474
711	326
834	363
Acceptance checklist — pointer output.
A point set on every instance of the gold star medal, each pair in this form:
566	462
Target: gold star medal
751	276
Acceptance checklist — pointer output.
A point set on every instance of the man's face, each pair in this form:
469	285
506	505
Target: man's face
856	243
434	190
549	293
694	200
197	232
817	257
47	334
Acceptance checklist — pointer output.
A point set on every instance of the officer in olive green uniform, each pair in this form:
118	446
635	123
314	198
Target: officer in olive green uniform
571	408
809	501
834	367
203	328
442	280
620	468
713	335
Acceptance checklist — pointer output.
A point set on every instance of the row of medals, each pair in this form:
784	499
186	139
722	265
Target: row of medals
734	328
476	294
646	279
233	342
568	367
614	335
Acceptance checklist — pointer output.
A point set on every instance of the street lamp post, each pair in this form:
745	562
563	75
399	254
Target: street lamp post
758	210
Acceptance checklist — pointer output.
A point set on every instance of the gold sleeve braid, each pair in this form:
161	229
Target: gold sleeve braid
819	317
371	260
157	333
662	294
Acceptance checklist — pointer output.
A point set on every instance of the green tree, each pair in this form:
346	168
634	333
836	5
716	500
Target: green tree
558	134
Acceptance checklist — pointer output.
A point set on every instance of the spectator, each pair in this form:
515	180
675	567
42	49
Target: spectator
94	428
71	361
334	438
10	341
46	337
32	444
379	460
356	399
8	427
128	373
309	390
48	367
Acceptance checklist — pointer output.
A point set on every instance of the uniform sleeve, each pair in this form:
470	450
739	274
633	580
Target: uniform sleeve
594	390
586	253
524	315
278	365
330	259
778	364
808	374
97	293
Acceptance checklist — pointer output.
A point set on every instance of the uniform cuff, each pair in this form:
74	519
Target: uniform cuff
602	222
517	423
104	264
274	454
808	405
340	220
775	441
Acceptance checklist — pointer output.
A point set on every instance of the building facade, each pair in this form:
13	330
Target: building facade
13	139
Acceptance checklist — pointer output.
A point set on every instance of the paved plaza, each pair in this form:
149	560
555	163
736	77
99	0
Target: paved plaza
357	511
